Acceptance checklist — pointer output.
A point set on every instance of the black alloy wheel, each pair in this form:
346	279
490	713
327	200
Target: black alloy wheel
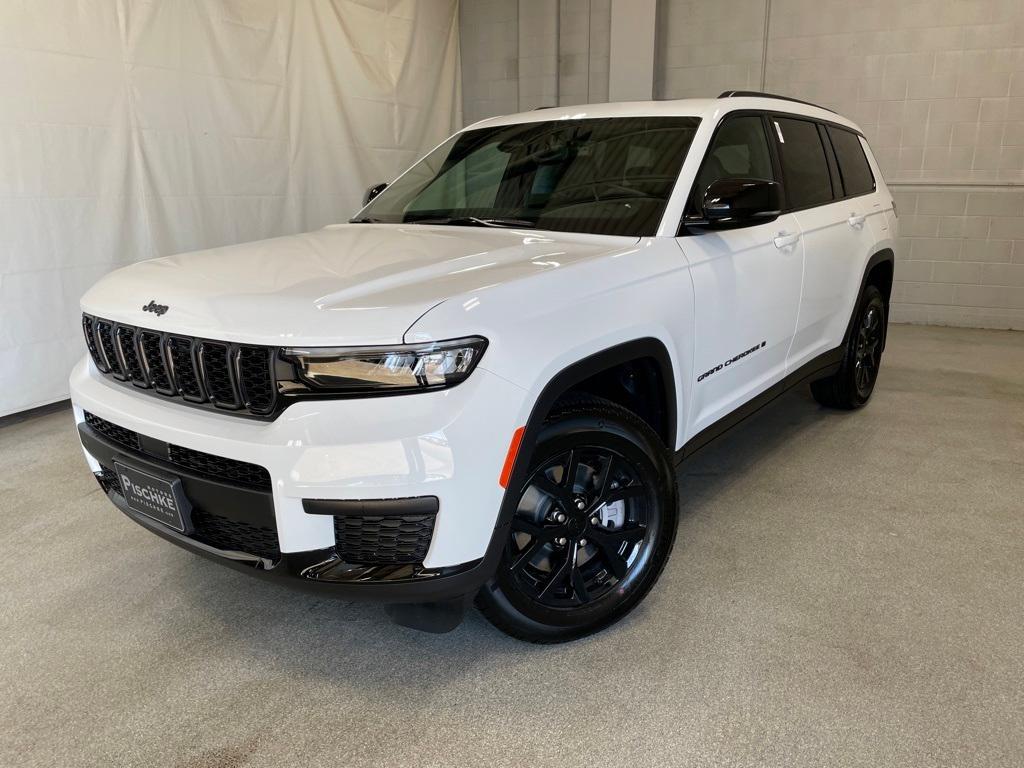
581	528
593	526
868	353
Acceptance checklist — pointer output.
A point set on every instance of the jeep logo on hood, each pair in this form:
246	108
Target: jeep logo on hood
156	309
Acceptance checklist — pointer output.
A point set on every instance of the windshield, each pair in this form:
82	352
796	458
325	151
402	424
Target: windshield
609	176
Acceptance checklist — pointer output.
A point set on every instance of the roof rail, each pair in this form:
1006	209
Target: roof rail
761	95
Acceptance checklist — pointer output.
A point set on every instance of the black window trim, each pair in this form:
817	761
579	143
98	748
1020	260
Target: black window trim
838	185
773	139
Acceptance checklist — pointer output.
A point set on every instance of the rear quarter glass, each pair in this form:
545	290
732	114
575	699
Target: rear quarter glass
853	164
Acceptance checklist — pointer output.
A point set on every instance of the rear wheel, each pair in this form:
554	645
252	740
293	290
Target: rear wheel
594	524
853	383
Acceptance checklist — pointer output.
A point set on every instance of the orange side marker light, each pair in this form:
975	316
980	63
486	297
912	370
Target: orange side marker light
510	457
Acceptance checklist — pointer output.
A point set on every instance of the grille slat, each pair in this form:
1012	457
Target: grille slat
125	336
89	329
217	363
217	374
255	378
183	368
151	344
105	336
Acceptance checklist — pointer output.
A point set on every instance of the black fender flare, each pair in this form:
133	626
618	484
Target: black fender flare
879	257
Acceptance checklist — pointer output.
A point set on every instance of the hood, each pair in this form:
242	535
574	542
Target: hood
349	284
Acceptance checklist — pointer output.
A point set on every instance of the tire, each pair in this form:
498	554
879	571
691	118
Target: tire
853	383
580	555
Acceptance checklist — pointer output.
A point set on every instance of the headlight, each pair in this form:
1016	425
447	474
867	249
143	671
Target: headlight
410	367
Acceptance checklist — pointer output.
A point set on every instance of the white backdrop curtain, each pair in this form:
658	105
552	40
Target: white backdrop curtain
138	128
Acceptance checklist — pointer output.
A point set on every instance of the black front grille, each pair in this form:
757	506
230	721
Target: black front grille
220	468
206	464
114	433
232	377
377	540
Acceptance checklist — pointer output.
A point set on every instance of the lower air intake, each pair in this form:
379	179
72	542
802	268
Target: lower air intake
379	540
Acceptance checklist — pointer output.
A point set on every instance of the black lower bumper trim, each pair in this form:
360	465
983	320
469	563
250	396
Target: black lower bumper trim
412	505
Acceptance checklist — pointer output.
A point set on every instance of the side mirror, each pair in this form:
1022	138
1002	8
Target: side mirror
373	190
730	203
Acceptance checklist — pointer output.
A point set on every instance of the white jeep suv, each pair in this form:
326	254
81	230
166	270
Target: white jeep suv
480	386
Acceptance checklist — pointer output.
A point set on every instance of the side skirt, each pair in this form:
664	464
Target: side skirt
820	367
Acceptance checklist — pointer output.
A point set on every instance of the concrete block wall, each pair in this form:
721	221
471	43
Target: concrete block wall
961	260
584	31
538	53
705	48
518	55
489	49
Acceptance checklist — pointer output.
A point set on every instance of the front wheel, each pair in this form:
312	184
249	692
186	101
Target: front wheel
594	525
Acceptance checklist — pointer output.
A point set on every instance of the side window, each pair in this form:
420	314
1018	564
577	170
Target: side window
739	150
804	166
853	165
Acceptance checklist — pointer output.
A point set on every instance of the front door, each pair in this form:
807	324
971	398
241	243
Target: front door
746	285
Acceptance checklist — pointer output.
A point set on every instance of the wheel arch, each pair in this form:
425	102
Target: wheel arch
580	372
649	390
636	375
878	271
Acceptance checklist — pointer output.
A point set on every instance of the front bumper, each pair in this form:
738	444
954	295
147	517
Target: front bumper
323	573
449	445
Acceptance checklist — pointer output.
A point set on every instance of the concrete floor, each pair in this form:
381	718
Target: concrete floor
847	589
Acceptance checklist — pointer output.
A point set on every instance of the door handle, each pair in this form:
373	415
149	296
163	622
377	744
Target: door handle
785	239
856	221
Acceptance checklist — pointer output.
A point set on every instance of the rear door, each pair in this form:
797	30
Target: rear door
833	231
746	283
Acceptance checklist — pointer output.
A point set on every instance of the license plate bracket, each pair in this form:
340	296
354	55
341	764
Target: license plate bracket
158	497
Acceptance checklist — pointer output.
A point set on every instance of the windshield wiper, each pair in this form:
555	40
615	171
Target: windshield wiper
366	220
473	221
